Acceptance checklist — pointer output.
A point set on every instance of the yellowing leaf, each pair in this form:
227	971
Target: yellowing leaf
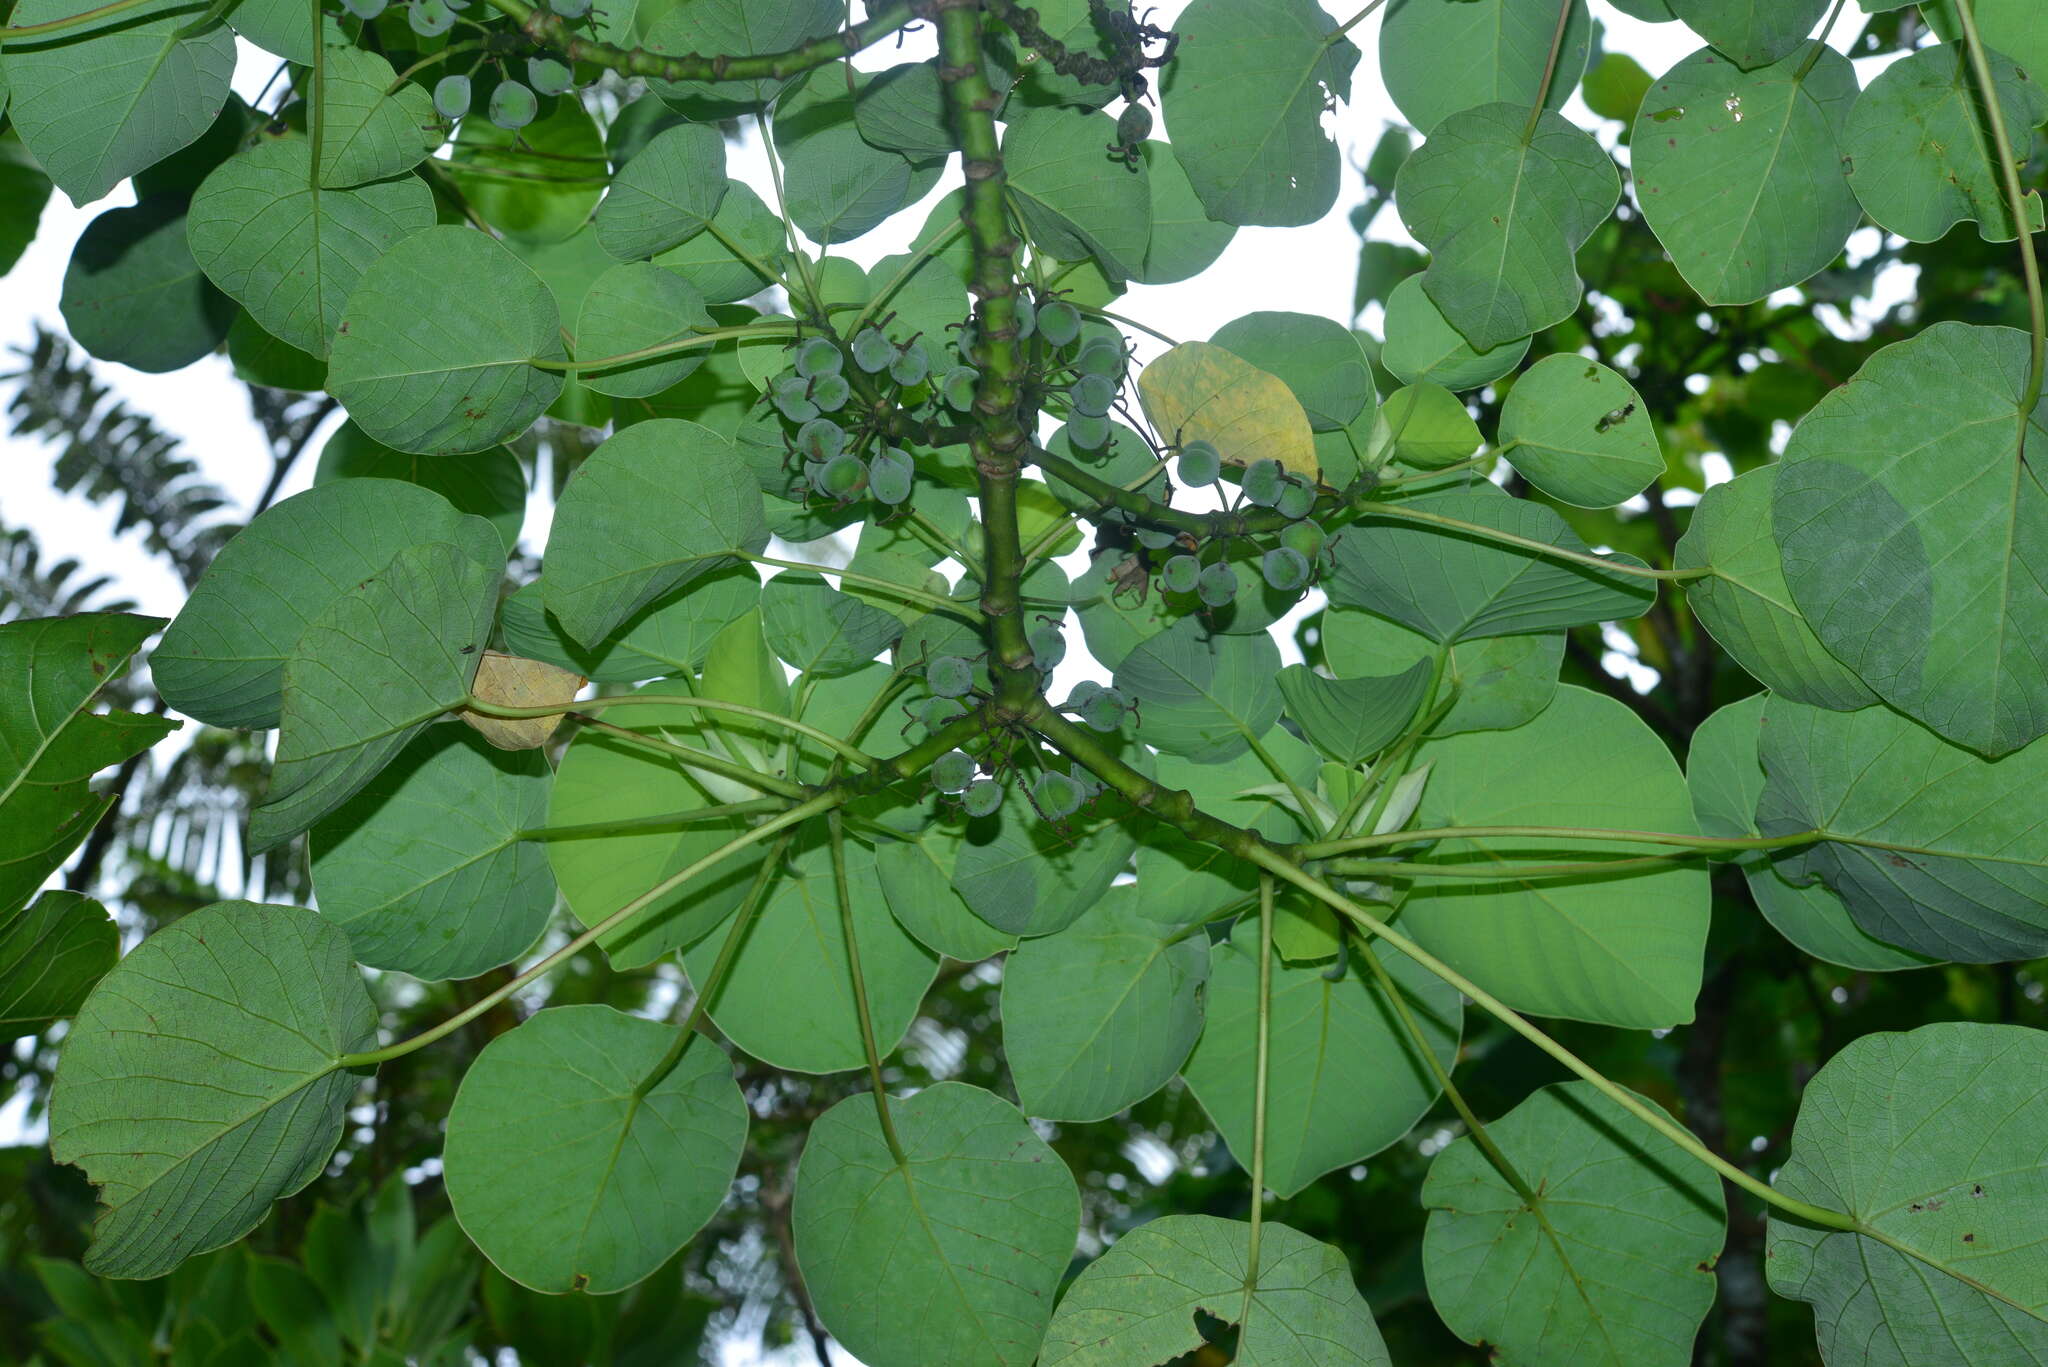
1201	392
513	681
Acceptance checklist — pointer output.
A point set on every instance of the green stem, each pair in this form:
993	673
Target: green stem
917	258
695	758
648	353
998	436
762	715
1395	868
1277	864
1344	845
936	602
1543	548
700	1010
1145	328
316	108
79	20
860	993
2016	201
811	293
1331	39
1820	42
1259	1075
792	816
1484	460
1227	523
659	821
551	31
1280	775
1564	15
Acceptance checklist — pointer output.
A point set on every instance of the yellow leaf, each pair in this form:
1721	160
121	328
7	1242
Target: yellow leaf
1202	392
513	681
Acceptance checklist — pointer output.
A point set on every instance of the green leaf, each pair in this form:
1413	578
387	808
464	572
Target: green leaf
1746	602
604	778
380	662
1423	348
740	28
788	997
1503	214
1452	586
951	1256
222	660
1073	202
1025	877
292	255
371	134
51	953
652	509
903	110
101	101
1579	431
2017	28
839	187
1185	240
1143	1300
1920	152
711	264
260	358
671	635
464	382
916	876
1349	719
1199	391
1245	103
1935	849
1502	681
1750	205
1915	533
631	308
1184	882
1101	1015
1751	33
1441	57
1933	1140
1202	696
668	193
424	867
642	1139
1345	1076
133	294
1618	949
199	1082
1611	1264
487	484
821	631
283	28
51	745
1727	778
1423	425
24	190
1320	360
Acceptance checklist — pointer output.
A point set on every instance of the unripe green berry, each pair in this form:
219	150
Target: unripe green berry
953	771
1048	646
431	19
570	9
1263	481
958	387
1134	125
818	356
1285	568
1297	499
844	476
937	713
1181	574
982	797
512	104
1104	712
364	9
1218	585
1100	356
911	364
1092	395
791	395
1152	539
451	96
1057	794
949	676
1088	431
1059	322
830	392
889	482
821	439
1027	317
872	351
548	76
1200	464
1305	537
